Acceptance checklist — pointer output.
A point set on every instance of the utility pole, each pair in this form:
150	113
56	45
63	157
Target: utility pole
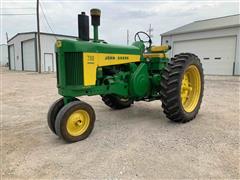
150	30
7	36
127	37
38	38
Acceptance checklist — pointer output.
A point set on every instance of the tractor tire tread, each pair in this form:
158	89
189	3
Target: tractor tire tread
115	102
170	87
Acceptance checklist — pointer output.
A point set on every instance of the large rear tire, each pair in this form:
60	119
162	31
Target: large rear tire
182	87
116	102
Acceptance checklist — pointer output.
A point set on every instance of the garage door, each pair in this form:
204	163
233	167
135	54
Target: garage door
217	54
12	57
29	58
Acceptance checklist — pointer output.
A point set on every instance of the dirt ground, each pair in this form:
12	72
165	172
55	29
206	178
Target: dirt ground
135	143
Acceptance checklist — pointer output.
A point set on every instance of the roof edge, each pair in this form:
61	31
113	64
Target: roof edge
217	17
209	29
168	32
44	33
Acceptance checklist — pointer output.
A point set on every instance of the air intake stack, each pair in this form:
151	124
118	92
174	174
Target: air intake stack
95	14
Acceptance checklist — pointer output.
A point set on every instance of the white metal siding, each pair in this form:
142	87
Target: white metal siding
48	47
17	41
3	54
217	54
12	57
29	58
172	39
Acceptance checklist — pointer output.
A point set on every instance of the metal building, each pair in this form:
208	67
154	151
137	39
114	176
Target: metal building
22	50
216	42
3	55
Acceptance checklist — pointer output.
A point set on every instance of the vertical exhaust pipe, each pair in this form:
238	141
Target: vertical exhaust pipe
83	27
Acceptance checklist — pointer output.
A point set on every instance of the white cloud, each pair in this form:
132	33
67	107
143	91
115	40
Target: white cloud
117	16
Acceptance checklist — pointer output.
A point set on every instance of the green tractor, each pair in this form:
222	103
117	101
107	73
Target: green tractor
120	75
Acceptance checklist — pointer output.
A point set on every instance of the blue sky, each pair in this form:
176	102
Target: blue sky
117	16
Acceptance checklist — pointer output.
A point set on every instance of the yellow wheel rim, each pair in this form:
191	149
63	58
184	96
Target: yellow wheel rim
78	122
190	88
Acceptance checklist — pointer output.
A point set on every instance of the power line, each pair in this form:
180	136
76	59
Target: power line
46	18
19	8
44	27
17	14
46	12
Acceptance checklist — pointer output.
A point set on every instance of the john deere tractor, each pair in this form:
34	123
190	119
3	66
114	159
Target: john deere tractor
120	76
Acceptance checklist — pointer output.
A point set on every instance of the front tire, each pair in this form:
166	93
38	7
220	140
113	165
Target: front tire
182	87
53	111
75	121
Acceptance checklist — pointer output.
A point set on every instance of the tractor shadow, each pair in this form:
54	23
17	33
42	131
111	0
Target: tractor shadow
139	112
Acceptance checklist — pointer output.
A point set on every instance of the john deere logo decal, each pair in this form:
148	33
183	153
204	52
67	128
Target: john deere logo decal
116	57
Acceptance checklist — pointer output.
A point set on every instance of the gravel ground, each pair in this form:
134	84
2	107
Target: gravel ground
135	143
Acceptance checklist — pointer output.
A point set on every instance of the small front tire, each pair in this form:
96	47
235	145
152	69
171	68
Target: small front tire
75	121
53	111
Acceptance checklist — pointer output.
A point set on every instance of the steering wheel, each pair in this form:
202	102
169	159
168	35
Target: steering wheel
137	35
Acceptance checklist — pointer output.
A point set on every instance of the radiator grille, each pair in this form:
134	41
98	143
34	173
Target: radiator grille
73	68
57	68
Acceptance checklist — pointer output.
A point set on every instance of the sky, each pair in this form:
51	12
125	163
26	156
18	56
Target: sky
117	16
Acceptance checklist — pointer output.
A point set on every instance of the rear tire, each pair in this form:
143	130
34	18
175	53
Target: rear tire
182	87
116	102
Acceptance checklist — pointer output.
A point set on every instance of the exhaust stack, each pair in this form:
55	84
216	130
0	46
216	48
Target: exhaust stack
83	27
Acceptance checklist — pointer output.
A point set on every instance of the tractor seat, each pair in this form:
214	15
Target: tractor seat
154	55
162	48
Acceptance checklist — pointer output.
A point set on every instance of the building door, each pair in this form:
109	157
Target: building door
28	55
48	62
12	57
217	54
